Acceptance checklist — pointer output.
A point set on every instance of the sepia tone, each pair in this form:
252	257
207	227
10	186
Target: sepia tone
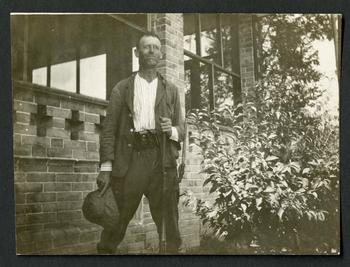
64	67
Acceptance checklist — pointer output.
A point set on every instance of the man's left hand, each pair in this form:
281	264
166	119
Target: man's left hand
165	125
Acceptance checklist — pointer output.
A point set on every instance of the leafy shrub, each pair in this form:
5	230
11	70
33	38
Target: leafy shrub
262	187
272	163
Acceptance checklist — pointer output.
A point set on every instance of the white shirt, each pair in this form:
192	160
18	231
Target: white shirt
144	103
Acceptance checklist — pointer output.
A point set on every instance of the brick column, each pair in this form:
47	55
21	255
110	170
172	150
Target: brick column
246	51
169	27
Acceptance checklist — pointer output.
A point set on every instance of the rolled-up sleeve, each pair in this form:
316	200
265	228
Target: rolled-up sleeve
174	134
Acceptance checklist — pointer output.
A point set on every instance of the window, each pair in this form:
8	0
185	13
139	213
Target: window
211	60
230	50
93	76
39	76
208	33
196	80
85	54
63	76
223	89
190	43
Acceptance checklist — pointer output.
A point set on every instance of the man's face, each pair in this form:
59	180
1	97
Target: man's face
149	52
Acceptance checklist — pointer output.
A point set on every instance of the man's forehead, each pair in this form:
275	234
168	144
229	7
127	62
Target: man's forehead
149	40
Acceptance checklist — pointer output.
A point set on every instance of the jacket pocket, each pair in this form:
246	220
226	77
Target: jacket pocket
172	153
174	149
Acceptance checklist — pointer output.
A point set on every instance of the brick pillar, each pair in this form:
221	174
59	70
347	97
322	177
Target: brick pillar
169	27
246	51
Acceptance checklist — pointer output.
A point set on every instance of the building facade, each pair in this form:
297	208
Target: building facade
63	69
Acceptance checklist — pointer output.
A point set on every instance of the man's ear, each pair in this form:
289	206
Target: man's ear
136	52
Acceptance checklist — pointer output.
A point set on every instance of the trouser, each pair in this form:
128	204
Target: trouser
145	177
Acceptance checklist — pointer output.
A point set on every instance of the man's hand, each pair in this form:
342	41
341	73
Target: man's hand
103	180
165	125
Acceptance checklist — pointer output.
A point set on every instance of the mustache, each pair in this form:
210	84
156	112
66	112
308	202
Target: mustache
150	57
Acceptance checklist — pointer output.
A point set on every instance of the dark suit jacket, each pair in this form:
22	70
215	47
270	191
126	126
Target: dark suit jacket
117	139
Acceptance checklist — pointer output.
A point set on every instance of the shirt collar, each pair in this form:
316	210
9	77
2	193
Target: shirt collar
138	77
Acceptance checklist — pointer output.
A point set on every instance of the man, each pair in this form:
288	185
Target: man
141	109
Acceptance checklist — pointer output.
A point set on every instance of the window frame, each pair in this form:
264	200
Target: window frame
27	72
211	64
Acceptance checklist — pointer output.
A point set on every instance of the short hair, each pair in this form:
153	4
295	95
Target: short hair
146	34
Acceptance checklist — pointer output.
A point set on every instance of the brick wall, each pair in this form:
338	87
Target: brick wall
56	143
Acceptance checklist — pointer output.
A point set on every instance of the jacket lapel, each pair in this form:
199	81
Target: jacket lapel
160	91
130	94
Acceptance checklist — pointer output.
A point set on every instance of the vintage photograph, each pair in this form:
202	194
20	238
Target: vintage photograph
176	133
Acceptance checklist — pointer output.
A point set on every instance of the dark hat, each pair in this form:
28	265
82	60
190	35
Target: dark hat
101	208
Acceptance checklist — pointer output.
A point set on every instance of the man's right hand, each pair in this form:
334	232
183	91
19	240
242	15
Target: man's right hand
103	180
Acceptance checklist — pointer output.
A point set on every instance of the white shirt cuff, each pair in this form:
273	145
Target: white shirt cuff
106	166
174	134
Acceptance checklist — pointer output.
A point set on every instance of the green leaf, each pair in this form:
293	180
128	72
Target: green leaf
286	169
295	165
272	136
321	216
233	198
271	158
300	190
280	213
258	203
269	189
249	186
306	170
227	193
314	194
244	207
208	180
278	114
284	183
212	214
305	182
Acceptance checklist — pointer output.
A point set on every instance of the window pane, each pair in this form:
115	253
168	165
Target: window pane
208	34
63	76
93	76
209	44
189	33
186	58
229	31
190	43
223	90
39	76
196	85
